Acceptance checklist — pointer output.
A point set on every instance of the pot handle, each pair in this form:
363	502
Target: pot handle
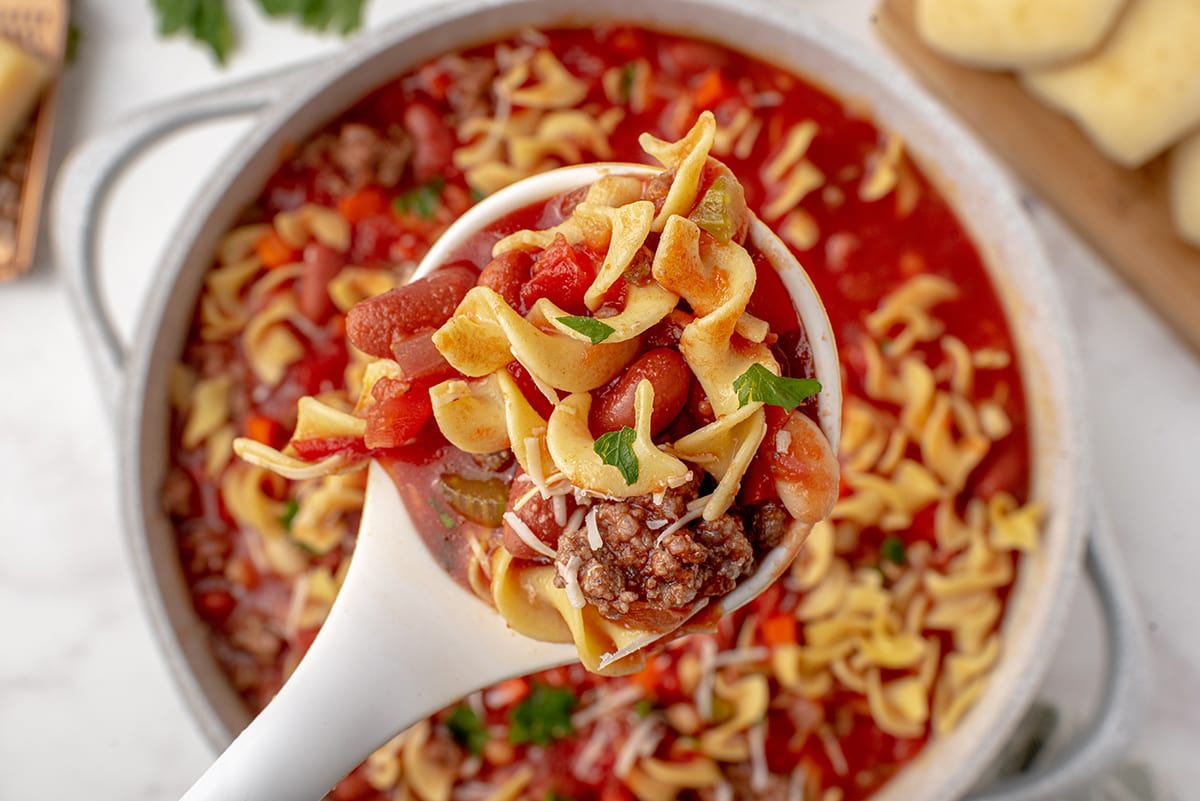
88	175
1125	693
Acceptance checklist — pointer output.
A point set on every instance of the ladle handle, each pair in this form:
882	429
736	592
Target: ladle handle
402	641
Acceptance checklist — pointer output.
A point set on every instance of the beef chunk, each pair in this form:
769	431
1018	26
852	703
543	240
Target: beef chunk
769	523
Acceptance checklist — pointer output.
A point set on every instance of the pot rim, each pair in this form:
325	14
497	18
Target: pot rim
948	765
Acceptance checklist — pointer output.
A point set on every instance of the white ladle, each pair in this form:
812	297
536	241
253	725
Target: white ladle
403	638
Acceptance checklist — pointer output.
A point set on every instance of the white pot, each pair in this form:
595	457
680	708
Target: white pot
292	105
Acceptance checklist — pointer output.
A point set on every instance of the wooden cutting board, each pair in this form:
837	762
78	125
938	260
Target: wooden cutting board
1123	213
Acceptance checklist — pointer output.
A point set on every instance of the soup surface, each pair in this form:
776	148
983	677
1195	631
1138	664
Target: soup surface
883	632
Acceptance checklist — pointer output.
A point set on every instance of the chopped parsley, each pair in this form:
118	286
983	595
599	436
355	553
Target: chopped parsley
289	514
892	550
445	518
590	327
628	75
467	729
643	707
616	448
544	716
421	201
760	384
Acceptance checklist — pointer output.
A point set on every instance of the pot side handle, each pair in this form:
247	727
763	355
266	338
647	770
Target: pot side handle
1124	694
88	175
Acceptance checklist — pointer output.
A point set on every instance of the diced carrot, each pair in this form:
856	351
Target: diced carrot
360	205
647	677
274	252
779	630
710	90
262	429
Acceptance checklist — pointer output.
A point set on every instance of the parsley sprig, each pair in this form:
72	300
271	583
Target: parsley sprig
616	448
421	201
761	385
544	716
467	729
590	327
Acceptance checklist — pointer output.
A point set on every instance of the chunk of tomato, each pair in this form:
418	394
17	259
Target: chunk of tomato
563	274
399	412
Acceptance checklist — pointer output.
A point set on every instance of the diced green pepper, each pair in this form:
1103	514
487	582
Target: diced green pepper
714	212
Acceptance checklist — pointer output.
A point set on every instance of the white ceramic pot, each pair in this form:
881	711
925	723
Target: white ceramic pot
292	105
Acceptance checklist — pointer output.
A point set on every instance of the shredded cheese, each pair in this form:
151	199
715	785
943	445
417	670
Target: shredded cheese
527	536
704	687
559	503
574	522
740	656
607	703
655	525
833	749
693	514
641	742
756	738
724	792
797	783
533	453
595	541
570	576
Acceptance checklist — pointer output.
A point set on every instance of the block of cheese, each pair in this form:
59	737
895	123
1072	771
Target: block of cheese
1184	183
22	79
1014	34
1140	91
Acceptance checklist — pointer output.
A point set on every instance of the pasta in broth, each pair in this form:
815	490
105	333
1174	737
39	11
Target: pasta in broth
622	519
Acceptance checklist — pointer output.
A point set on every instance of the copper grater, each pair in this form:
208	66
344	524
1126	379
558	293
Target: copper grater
39	26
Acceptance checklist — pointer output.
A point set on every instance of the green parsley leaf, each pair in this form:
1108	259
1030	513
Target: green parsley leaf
544	716
628	74
289	513
760	384
892	550
343	16
590	327
207	21
616	448
422	200
467	729
643	707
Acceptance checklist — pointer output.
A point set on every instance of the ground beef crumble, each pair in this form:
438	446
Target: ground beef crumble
634	566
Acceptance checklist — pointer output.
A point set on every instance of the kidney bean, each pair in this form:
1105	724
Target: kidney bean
374	324
538	514
671	378
321	264
506	274
434	144
419	359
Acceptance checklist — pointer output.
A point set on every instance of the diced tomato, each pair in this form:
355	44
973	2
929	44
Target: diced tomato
779	630
434	143
322	368
360	205
758	484
513	691
506	275
563	274
399	412
261	428
215	606
317	448
540	403
273	252
377	322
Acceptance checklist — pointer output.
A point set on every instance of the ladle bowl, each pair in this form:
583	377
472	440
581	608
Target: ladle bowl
404	639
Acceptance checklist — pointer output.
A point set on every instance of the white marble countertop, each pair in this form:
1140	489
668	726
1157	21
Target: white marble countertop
87	708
